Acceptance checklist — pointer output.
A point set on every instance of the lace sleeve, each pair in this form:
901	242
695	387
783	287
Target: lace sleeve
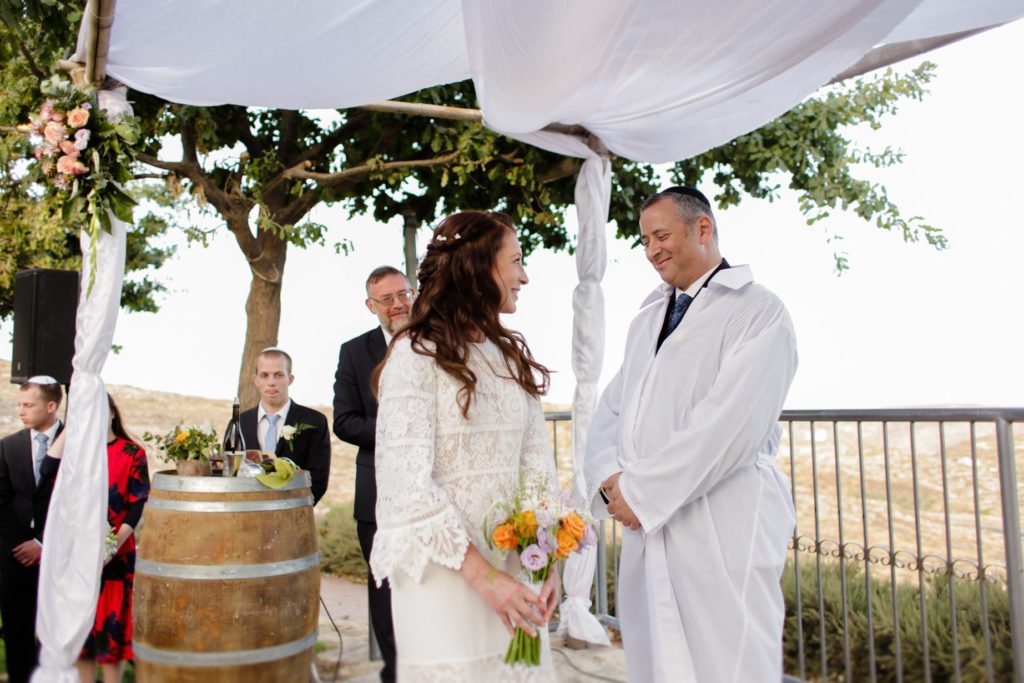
537	461
416	522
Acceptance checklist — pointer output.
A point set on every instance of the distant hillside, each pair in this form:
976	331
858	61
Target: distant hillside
158	411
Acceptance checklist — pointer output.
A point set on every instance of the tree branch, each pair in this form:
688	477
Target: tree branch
179	167
334	181
252	145
287	135
32	66
356	120
188	144
233	207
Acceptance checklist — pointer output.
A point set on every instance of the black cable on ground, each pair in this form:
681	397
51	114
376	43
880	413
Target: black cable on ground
337	664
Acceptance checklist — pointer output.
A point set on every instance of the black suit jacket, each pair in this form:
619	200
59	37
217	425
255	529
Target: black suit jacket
310	449
21	501
355	412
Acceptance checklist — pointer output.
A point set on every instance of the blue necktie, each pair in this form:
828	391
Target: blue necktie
270	440
682	302
42	440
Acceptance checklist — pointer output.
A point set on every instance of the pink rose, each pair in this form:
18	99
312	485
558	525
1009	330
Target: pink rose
53	132
71	166
78	117
82	138
533	558
66	165
69	148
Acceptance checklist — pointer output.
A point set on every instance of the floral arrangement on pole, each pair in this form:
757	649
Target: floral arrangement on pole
84	156
541	527
185	442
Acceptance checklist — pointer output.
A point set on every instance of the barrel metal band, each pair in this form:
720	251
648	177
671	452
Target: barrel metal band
226	572
229	506
210	659
168	481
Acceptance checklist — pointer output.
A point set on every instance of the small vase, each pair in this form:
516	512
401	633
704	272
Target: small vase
193	468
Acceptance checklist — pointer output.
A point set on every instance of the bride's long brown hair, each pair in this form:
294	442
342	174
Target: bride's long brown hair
458	302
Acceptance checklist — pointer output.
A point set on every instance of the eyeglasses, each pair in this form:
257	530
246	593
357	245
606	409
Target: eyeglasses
389	300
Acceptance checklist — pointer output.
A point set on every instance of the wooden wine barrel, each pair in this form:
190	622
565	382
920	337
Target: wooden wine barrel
227	582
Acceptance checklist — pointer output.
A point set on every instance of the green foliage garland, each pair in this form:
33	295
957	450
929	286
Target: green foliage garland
84	156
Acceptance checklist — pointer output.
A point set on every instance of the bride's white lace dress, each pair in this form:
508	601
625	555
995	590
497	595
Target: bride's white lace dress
438	474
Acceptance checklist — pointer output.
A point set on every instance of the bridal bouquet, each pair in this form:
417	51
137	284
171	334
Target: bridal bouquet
541	527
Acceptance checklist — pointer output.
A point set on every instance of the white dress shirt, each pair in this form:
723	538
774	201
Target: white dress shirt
262	425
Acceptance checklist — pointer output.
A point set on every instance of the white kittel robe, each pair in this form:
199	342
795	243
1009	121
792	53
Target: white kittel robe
694	429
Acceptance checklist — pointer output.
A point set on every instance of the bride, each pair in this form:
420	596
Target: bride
459	424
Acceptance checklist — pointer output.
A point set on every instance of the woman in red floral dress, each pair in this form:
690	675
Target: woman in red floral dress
110	641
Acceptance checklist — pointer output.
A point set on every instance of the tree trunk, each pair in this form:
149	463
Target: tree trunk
262	312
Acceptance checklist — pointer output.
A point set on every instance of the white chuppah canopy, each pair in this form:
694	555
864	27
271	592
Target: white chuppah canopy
653	80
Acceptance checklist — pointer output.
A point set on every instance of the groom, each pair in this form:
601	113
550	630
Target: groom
683	446
266	426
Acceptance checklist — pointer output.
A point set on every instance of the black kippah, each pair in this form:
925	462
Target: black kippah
687	191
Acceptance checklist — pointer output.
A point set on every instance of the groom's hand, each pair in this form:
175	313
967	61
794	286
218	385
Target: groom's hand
618	508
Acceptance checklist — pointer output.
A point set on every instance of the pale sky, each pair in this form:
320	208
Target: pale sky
905	326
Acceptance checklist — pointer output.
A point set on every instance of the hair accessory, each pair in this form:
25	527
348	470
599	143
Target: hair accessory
41	379
440	238
458	236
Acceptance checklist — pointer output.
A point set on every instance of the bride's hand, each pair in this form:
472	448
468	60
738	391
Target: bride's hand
550	593
516	604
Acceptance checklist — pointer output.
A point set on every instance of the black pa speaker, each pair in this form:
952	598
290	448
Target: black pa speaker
45	303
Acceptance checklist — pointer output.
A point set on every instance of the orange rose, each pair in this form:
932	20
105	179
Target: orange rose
78	117
574	525
526	525
504	537
566	543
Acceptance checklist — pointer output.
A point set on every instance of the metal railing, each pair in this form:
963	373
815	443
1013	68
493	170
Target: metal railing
917	512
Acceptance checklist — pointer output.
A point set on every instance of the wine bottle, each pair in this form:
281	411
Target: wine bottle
234	443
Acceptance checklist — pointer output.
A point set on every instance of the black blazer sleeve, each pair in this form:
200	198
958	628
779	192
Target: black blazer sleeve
311	449
11	532
351	421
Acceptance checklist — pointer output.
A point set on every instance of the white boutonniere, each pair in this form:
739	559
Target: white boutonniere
289	432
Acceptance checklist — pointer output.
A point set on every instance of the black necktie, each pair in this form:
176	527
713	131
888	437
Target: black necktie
675	315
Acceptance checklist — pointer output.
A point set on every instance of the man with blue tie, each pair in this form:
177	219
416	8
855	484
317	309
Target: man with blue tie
681	451
23	507
279	425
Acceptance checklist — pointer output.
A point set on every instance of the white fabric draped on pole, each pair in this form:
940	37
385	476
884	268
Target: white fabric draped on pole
654	80
77	522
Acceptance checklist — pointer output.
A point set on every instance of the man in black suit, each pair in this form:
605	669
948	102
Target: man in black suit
23	507
281	426
389	297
